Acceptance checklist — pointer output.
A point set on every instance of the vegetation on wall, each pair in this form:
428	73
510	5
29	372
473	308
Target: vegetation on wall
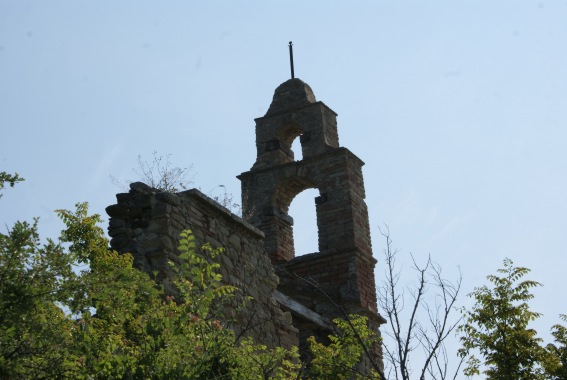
162	174
73	308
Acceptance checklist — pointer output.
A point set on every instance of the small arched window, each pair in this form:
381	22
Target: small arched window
287	135
296	149
305	232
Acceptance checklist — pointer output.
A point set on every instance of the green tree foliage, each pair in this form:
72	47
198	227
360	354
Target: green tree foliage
255	361
121	324
34	331
76	309
556	366
10	179
497	328
339	359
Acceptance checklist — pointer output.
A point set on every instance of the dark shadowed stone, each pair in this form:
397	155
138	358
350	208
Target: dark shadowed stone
172	199
117	211
119	242
142	188
116	222
123	197
115	232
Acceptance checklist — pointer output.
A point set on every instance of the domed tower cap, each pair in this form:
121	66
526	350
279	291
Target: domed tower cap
291	95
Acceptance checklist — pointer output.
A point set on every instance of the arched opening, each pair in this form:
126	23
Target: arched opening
305	232
296	149
287	135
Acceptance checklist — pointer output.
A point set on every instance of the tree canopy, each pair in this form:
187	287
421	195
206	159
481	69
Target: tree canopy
497	329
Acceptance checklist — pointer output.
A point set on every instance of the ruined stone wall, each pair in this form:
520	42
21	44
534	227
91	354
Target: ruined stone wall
313	288
147	223
339	278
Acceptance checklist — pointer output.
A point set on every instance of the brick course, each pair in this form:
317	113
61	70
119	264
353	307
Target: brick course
342	272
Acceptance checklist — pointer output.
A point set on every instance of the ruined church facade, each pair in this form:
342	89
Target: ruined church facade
294	297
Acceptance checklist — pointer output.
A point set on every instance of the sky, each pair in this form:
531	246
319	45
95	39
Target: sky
458	110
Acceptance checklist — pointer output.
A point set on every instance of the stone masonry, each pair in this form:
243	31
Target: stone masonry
147	223
340	277
293	297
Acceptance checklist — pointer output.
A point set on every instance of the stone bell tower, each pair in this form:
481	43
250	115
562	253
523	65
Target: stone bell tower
341	274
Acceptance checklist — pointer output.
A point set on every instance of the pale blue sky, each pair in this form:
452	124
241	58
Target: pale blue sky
458	109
